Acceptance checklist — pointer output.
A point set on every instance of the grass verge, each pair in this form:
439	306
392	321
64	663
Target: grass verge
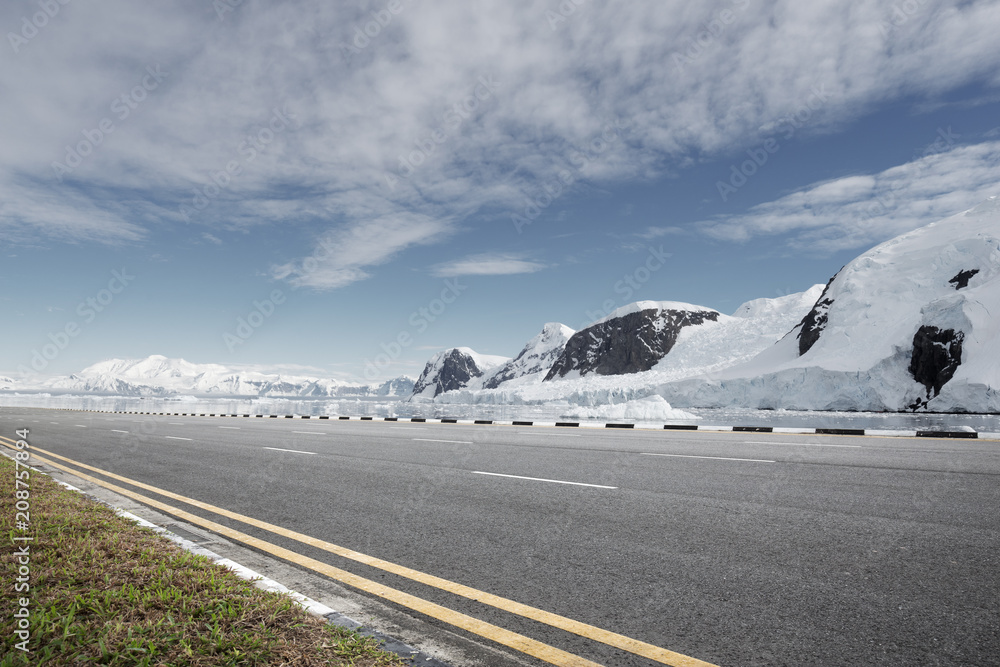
106	591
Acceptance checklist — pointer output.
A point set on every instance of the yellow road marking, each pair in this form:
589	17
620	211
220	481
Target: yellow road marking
614	639
515	641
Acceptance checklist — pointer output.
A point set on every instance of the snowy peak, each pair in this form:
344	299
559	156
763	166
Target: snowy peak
776	306
632	339
453	369
155	367
537	356
659	306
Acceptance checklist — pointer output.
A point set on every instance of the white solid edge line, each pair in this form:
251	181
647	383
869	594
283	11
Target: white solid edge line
541	479
294	451
454	442
714	458
241	571
797	444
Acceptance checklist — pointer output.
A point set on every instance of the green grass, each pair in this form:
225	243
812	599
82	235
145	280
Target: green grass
105	591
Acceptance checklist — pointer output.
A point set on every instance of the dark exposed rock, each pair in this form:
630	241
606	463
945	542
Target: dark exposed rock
447	374
632	343
814	322
961	280
937	354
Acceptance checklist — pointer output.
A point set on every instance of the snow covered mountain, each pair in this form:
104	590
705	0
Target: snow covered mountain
718	342
456	368
537	356
159	376
631	339
401	386
909	325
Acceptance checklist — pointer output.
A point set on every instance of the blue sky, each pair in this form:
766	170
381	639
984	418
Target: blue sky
464	172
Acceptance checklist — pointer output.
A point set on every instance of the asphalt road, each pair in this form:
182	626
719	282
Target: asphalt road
734	548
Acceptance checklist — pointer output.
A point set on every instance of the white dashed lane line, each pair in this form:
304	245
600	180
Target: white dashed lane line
309	433
542	479
454	442
714	458
798	444
174	437
114	430
293	451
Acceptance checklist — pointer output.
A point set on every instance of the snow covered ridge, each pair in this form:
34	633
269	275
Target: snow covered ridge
909	325
159	376
537	356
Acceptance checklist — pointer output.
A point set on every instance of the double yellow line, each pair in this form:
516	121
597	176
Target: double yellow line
494	633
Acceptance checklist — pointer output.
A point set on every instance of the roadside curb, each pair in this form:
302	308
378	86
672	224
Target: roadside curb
640	426
390	644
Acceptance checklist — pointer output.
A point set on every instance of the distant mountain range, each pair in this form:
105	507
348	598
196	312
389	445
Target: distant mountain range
160	376
913	324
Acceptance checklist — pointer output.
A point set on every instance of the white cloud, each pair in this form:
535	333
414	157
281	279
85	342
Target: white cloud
858	211
554	92
659	232
487	264
342	255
